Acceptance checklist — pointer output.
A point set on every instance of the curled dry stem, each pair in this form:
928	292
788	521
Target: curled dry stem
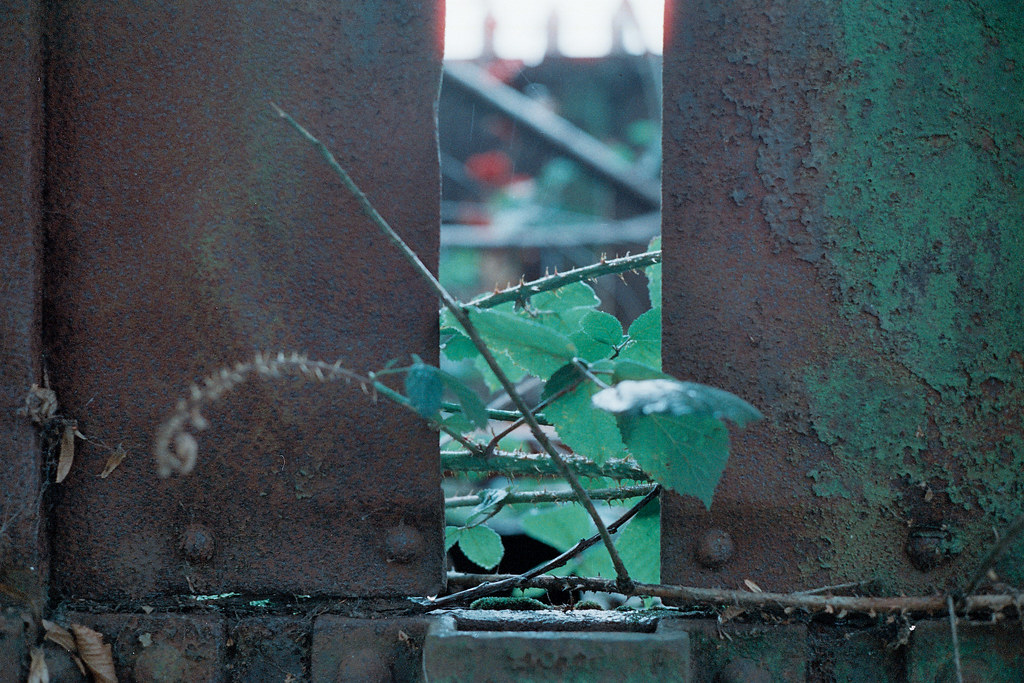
177	449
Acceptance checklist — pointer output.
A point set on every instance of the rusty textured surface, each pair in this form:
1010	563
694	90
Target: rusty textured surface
13	646
348	650
22	551
991	653
187	228
818	263
743	652
271	649
161	647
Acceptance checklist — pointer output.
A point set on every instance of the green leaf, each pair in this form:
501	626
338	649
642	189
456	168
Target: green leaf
644	344
560	309
653	274
560	527
472	407
423	388
598	335
670	396
632	369
538	349
482	546
491	500
459	423
456	345
451	536
590	432
686	453
639	545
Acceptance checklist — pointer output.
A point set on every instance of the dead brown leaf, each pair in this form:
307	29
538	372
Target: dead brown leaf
37	671
40	404
96	654
754	588
60	635
115	459
730	613
67	451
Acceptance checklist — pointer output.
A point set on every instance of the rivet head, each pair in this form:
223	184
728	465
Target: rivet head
929	546
742	671
403	544
714	548
196	544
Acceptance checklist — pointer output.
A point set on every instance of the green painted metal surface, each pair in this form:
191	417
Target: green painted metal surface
844	247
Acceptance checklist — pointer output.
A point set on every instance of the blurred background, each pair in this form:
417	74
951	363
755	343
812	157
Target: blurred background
550	137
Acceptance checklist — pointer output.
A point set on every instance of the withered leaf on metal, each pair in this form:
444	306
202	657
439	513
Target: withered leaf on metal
40	404
115	459
60	635
96	654
67	452
37	671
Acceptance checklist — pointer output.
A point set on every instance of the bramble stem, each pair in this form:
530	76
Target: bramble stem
506	463
525	290
462	317
619	493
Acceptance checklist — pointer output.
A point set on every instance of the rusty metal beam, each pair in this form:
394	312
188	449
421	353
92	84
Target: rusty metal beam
189	227
23	557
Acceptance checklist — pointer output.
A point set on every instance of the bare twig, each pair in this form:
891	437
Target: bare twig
832	604
1008	537
524	290
619	493
537	465
956	639
492	587
462	317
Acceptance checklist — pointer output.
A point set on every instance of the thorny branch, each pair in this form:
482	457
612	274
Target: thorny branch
524	290
502	463
619	493
462	316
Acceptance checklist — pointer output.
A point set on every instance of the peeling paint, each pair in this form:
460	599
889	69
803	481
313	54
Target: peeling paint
923	235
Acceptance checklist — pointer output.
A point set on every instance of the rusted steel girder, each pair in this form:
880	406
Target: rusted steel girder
22	535
187	228
842	247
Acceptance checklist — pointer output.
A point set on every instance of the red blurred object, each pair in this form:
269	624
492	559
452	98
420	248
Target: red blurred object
493	169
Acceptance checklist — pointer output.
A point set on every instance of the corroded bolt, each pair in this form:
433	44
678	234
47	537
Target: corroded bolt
403	544
742	671
930	546
715	548
196	544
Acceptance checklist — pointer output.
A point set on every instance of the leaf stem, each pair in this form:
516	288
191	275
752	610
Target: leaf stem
460	314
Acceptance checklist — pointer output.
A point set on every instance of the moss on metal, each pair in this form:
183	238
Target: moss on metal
923	230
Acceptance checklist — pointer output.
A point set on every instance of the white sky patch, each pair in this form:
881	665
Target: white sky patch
522	28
